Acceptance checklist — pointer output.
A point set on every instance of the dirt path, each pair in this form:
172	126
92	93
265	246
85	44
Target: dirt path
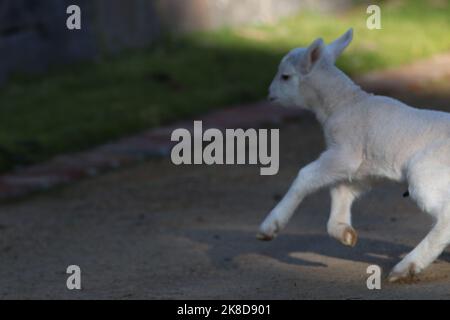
158	231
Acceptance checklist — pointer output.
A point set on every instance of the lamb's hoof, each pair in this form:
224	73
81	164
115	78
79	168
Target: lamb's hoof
403	275
268	231
264	237
349	237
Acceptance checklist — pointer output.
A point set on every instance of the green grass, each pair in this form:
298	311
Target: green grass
75	107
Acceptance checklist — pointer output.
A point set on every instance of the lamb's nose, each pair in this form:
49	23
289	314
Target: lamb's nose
271	98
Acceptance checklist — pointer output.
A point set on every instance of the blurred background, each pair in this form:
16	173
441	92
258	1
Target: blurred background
157	230
137	64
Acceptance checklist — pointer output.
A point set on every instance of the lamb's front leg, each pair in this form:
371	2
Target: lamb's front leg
332	167
339	224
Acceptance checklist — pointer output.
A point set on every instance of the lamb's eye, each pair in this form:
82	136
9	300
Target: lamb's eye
285	77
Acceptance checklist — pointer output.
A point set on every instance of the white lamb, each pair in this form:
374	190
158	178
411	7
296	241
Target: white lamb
367	137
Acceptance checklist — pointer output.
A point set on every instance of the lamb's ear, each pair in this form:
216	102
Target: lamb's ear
313	54
338	46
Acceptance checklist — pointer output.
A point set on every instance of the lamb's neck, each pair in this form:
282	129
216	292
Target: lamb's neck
332	90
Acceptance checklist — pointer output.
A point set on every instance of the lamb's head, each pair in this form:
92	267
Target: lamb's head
291	86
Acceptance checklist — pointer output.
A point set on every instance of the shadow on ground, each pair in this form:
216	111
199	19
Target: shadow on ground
226	245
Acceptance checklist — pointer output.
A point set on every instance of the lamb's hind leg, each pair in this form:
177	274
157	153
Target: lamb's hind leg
429	185
339	224
426	252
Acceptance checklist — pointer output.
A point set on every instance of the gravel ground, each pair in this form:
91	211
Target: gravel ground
156	231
